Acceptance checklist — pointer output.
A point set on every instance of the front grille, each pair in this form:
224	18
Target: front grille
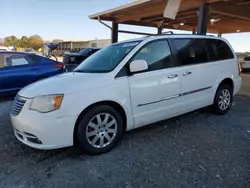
18	105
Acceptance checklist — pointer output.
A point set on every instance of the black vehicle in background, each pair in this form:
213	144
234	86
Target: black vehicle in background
72	60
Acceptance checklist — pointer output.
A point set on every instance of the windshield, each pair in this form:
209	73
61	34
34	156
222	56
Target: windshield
84	51
106	59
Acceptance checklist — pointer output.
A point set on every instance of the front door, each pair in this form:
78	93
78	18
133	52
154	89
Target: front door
155	92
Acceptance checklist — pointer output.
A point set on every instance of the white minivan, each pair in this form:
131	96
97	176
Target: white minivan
246	63
125	86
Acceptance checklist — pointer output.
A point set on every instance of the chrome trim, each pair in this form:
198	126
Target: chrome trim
196	91
159	100
174	96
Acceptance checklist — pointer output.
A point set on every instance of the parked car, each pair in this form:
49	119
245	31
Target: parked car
18	69
246	63
126	86
72	60
30	51
4	48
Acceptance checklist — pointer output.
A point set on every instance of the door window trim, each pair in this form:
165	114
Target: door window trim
175	52
209	53
126	66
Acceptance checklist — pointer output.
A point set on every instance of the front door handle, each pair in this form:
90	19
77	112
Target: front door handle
187	73
173	76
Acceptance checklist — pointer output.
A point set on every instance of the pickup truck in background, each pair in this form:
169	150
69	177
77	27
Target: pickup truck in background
72	60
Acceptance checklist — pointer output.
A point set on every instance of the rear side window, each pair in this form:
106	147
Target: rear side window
190	51
16	60
247	59
218	50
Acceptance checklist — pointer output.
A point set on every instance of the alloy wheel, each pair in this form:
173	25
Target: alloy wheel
101	130
224	99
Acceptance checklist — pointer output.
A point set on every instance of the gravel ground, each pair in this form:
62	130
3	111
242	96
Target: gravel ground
194	150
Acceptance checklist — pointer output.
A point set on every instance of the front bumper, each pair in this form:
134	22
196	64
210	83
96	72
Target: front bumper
43	130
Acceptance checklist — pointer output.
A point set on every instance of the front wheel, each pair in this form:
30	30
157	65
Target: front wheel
223	100
100	129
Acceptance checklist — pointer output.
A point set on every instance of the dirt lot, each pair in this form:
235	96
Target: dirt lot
195	150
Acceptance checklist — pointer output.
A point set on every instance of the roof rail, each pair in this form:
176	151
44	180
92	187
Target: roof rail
167	33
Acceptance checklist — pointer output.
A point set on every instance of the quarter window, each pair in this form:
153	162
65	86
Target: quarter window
190	51
157	54
16	60
218	50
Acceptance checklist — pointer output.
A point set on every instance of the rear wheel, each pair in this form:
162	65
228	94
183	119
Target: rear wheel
100	129
223	100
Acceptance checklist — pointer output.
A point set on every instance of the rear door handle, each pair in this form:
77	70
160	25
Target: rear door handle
187	73
173	76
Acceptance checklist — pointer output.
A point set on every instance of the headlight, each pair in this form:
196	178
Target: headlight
46	103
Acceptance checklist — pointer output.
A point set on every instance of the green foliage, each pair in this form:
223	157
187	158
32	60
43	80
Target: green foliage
11	41
24	42
57	40
34	41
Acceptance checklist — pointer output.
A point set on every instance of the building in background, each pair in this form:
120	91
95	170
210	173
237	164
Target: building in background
76	46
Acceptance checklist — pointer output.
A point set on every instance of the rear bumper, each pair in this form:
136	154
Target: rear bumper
245	66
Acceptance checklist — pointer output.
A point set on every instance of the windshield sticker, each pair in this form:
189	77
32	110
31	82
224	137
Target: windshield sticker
130	44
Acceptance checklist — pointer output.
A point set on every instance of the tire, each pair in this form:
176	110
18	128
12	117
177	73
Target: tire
94	135
223	100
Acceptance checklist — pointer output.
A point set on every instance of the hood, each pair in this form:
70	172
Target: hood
64	83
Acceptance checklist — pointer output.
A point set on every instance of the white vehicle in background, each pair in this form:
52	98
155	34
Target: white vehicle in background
4	48
30	51
246	63
125	86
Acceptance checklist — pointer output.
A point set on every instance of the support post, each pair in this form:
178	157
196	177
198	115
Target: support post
203	19
71	46
194	31
159	31
114	32
219	34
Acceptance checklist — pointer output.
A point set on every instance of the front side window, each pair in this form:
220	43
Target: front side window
106	59
218	50
157	54
190	51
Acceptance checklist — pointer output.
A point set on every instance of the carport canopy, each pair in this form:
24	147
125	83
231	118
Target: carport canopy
201	16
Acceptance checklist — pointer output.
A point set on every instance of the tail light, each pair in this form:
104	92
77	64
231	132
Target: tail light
60	66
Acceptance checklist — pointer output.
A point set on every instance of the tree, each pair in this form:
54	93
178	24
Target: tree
35	41
11	41
1	41
24	42
57	40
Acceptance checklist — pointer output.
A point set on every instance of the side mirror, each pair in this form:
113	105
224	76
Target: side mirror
138	66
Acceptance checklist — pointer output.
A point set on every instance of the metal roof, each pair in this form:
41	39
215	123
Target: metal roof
226	16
